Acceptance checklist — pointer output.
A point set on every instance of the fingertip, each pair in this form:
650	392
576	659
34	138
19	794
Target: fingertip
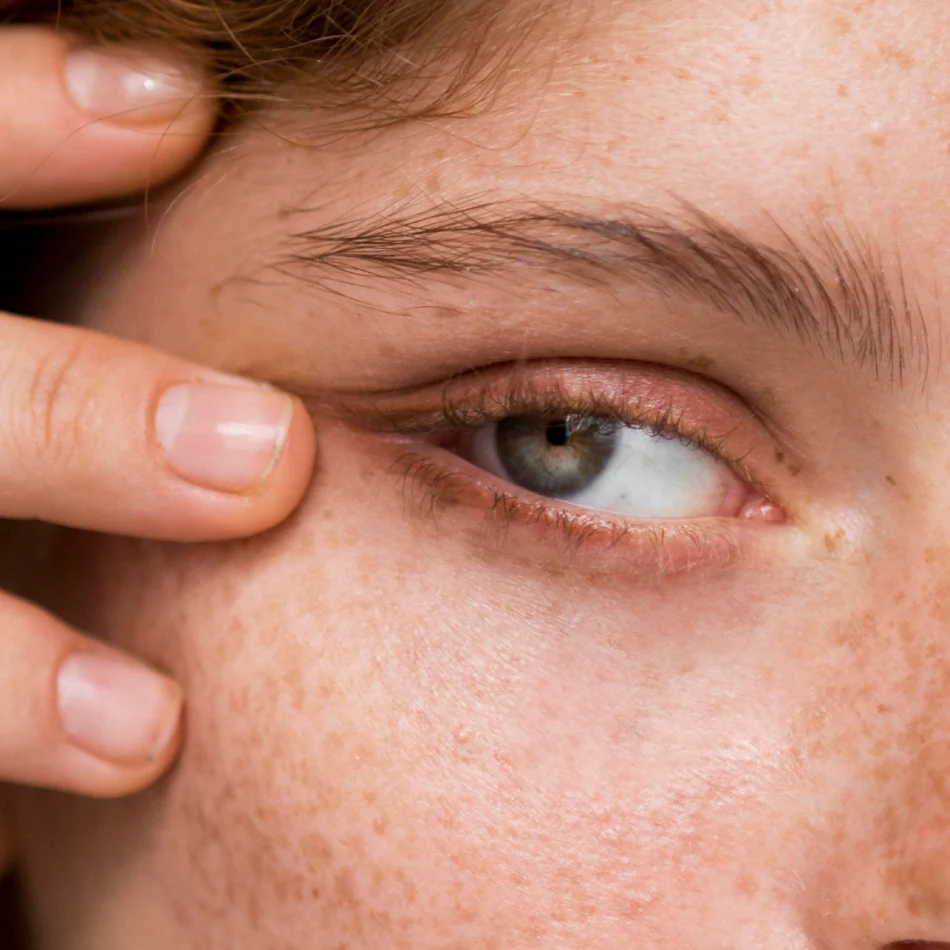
107	780
243	457
85	774
143	113
295	469
134	86
95	123
118	709
275	499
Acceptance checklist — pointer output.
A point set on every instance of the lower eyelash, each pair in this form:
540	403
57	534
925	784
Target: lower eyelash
565	537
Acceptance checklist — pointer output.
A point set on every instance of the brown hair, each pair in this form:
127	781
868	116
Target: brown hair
388	58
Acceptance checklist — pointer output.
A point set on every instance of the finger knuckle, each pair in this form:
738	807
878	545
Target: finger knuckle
50	422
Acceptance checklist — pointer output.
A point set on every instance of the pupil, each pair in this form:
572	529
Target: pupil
557	433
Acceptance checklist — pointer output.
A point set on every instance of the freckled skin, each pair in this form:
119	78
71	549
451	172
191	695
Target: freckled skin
399	740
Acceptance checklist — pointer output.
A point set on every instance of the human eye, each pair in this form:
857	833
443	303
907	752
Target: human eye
615	465
609	465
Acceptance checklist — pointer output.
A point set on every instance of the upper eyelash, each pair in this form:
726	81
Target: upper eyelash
494	399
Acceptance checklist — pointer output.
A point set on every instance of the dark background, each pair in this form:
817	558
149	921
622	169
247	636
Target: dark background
38	257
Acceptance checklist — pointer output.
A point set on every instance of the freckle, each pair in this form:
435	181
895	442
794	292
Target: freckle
380	825
878	139
841	26
830	544
906	633
779	457
747	884
794	471
701	363
897	56
750	82
899	598
799	150
681	74
890	480
843	91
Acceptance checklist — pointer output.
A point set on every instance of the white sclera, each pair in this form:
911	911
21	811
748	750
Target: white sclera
648	476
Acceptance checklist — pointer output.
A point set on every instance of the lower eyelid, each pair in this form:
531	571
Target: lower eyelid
438	485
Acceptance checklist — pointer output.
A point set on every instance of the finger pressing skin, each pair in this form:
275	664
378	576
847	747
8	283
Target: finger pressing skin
113	436
81	123
77	715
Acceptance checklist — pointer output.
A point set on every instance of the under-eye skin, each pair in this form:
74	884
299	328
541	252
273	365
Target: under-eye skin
617	466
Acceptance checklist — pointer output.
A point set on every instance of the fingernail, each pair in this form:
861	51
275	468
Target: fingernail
117	709
228	438
129	87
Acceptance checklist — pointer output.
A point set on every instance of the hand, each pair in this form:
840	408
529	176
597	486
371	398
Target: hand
109	435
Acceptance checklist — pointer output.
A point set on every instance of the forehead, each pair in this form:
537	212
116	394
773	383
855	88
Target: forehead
802	101
797	108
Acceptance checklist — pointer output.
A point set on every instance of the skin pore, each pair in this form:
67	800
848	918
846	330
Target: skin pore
433	711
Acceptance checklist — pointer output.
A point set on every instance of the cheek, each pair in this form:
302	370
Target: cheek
877	743
391	743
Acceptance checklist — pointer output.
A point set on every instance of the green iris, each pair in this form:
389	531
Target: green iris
557	457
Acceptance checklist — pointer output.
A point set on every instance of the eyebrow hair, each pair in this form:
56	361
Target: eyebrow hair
831	291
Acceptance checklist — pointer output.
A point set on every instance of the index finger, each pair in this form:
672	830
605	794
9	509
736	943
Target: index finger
81	124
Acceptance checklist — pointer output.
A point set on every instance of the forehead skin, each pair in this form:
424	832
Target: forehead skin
396	743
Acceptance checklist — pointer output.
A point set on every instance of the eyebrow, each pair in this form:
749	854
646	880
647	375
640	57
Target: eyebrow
830	290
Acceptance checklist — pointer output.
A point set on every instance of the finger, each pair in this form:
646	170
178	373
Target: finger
113	436
80	123
76	714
